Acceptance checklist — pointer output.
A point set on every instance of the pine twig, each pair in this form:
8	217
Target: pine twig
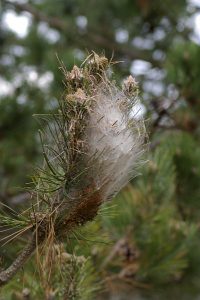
95	152
10	272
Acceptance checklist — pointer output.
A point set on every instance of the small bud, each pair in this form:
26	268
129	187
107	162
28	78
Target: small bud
76	73
74	78
130	86
97	63
26	293
78	96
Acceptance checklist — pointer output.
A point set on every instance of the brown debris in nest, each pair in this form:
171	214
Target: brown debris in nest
85	211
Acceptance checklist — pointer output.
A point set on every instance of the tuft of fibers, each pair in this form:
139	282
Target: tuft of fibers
115	139
105	137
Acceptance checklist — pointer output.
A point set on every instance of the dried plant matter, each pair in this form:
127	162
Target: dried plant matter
91	149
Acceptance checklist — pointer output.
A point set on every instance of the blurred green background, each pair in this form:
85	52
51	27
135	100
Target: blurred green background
153	249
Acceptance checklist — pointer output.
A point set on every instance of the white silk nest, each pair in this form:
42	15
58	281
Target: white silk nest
115	137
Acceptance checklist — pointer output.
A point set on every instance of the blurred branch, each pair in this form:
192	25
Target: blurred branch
93	38
39	16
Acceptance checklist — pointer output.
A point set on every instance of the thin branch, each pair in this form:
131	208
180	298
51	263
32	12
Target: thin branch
38	15
19	262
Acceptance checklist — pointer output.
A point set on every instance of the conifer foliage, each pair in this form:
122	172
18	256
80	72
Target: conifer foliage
91	147
145	242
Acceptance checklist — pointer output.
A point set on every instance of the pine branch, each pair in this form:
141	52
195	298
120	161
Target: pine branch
38	15
91	149
9	273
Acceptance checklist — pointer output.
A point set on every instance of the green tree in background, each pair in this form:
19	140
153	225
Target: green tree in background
150	239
